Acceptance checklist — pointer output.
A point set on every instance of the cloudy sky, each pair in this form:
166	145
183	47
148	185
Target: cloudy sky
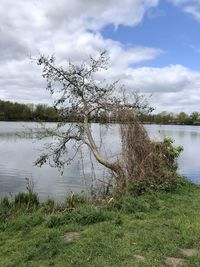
154	46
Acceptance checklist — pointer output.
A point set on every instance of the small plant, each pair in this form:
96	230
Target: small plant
5	202
118	221
130	204
50	202
74	200
30	198
83	216
26	222
90	215
140	215
27	199
54	221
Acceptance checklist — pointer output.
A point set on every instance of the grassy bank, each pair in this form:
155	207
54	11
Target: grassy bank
140	231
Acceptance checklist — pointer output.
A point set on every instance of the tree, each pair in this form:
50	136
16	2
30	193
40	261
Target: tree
182	118
45	113
77	88
194	117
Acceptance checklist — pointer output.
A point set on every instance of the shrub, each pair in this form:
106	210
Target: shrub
147	164
28	199
163	174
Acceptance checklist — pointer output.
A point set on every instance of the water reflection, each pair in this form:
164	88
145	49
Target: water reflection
18	154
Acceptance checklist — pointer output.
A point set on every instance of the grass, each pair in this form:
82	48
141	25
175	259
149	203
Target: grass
156	226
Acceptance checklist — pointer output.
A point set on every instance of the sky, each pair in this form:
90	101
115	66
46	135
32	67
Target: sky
153	45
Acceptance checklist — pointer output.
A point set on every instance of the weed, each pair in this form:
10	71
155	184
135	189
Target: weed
90	215
110	236
130	204
118	221
29	199
54	221
5	202
74	200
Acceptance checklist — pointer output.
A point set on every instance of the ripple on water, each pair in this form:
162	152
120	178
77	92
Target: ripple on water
18	154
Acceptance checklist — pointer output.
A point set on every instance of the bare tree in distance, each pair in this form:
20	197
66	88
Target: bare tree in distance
77	87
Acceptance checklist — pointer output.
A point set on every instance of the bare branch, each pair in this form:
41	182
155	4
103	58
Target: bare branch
78	90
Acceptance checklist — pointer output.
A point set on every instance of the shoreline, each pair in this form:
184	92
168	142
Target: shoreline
133	231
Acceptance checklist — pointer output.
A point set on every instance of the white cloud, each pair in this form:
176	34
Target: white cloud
174	78
69	29
72	30
194	10
189	6
95	14
173	88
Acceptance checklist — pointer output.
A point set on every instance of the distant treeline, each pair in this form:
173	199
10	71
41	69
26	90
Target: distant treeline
10	111
26	112
171	118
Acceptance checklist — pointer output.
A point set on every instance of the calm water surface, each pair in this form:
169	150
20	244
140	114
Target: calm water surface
17	156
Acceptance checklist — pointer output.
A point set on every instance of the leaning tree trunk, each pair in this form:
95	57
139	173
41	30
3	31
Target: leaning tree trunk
115	167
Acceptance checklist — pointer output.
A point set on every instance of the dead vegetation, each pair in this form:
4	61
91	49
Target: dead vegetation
143	164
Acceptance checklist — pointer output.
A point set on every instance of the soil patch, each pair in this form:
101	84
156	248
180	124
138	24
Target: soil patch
139	257
175	262
189	252
70	236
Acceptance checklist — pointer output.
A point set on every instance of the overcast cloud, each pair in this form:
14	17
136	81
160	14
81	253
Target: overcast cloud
72	30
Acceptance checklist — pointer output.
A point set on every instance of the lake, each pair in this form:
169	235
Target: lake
19	153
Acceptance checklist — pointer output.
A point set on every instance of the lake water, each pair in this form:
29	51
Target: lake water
17	156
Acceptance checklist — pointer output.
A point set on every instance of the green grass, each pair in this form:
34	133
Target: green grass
155	226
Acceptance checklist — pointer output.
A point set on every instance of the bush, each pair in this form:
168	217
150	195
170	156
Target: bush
148	165
164	174
28	199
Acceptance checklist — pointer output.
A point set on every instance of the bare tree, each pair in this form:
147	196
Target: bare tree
77	87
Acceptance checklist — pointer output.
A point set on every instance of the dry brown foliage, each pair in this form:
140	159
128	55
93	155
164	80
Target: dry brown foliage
145	164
